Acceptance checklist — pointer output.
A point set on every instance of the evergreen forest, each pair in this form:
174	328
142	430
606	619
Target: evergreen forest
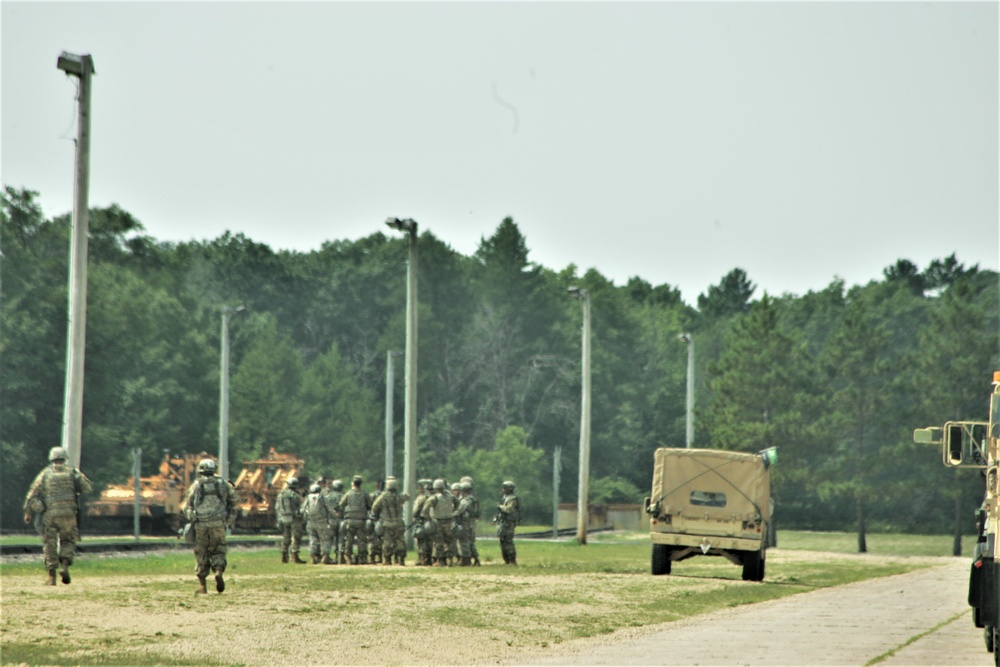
837	379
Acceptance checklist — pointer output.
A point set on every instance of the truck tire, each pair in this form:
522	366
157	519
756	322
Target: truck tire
753	566
661	559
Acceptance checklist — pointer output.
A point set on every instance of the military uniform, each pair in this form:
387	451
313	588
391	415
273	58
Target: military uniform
508	516
424	543
465	519
388	511
355	506
333	496
53	501
441	510
211	504
318	519
473	512
288	508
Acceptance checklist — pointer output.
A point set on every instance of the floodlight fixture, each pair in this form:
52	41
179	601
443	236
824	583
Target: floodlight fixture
76	65
403	225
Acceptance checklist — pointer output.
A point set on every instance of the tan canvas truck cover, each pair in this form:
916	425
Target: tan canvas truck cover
707	497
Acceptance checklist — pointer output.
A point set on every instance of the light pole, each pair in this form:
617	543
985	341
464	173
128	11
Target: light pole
689	427
227	312
82	67
410	418
389	384
582	503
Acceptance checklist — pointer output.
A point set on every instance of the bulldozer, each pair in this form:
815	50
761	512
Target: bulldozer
160	498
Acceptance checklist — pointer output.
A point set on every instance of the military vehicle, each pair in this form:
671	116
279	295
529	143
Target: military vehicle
975	444
160	498
708	502
161	495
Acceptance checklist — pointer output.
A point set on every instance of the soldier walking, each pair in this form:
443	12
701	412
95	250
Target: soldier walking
53	500
387	510
508	515
355	505
318	519
211	504
288	508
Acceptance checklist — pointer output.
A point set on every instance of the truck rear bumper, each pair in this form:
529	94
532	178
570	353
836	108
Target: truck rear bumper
707	542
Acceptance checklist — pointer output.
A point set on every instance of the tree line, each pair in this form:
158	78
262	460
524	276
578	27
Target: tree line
836	378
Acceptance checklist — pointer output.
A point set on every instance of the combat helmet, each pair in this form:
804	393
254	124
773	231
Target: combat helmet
337	485
58	454
207	467
466	479
439	485
293	483
456	486
391	484
507	486
466	487
315	488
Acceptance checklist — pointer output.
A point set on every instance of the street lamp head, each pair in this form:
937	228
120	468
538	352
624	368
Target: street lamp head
684	337
74	64
576	292
403	225
229	310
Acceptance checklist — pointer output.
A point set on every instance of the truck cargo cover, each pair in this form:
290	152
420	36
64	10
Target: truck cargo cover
711	483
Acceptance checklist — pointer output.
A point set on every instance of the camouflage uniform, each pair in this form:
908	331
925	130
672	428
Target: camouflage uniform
333	496
465	524
318	519
355	506
473	514
423	542
441	509
288	508
388	510
373	537
508	515
211	504
53	501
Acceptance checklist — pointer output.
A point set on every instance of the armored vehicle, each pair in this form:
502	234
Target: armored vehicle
708	502
258	486
973	444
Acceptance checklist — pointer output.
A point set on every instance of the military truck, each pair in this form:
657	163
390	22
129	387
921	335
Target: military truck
709	502
976	444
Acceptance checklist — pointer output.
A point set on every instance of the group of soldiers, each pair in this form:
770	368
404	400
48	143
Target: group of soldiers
355	527
343	527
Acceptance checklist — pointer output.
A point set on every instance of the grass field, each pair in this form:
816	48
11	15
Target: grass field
141	609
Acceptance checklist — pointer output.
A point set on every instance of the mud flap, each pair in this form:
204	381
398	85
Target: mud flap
984	596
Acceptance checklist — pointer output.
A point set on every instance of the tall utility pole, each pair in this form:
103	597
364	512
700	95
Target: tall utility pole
227	313
582	505
390	382
81	67
410	428
689	426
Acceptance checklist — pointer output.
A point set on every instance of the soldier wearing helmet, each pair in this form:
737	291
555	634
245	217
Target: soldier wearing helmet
53	501
423	541
387	511
318	517
441	509
211	504
507	518
473	514
355	505
465	523
288	511
333	497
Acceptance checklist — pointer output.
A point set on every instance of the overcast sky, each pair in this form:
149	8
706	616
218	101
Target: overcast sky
673	141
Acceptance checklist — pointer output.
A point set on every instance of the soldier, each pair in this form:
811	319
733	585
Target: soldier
374	537
334	495
318	519
473	513
355	506
464	523
441	509
508	514
54	501
423	541
211	504
387	510
288	507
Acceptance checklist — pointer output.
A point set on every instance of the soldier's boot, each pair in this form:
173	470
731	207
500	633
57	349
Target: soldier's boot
387	559
465	562
327	560
506	559
313	559
220	583
296	559
284	556
343	558
51	581
363	559
401	560
201	586
513	561
65	570
475	561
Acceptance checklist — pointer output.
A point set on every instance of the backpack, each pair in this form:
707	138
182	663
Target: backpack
211	507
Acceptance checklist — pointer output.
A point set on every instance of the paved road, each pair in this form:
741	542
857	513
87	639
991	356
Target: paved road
922	616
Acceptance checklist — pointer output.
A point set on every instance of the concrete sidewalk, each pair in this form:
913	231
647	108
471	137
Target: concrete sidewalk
846	625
